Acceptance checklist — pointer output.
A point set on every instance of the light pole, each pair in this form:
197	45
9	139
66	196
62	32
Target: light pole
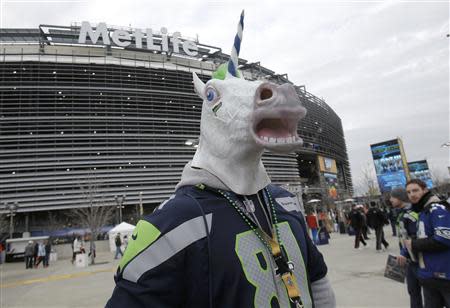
141	209
12	210
119	201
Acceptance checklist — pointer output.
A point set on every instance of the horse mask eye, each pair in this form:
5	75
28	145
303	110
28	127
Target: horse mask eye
211	95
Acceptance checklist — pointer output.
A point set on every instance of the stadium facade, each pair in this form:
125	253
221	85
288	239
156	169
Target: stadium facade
115	107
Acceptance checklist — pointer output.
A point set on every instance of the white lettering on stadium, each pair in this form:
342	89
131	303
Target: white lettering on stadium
123	38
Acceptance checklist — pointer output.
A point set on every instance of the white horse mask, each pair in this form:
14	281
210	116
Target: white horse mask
252	116
239	120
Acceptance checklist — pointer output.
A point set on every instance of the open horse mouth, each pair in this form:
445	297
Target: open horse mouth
276	115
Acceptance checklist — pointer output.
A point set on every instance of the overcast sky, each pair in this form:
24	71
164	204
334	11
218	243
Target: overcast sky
383	66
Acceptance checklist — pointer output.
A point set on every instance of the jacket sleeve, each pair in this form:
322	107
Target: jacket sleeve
323	294
409	220
321	289
440	220
427	245
156	289
404	252
150	272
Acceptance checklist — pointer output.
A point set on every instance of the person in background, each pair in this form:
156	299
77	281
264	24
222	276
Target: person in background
376	220
432	243
76	248
29	252
407	221
35	253
118	243
365	228
392	215
48	250
2	252
40	254
125	242
82	245
72	241
357	222
92	252
311	220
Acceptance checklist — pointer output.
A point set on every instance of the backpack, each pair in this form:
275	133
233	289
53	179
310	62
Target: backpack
356	219
384	217
118	241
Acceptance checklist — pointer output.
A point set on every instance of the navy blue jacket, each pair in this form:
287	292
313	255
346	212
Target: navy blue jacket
434	223
407	224
195	250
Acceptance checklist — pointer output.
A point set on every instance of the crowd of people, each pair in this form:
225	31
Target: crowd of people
424	239
38	252
361	218
421	221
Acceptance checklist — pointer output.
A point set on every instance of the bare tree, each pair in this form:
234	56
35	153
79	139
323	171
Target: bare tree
441	184
95	212
368	182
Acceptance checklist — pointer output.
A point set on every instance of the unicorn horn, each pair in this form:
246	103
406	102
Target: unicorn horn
233	62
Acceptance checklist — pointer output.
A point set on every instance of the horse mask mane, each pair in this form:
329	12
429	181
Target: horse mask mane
239	120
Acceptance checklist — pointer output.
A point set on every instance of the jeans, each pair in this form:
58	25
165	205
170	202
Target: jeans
380	238
46	258
39	259
436	292
394	228
29	262
314	234
359	237
118	251
414	288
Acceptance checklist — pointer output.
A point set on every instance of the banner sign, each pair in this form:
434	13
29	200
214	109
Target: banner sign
419	170
327	164
141	39
390	164
332	185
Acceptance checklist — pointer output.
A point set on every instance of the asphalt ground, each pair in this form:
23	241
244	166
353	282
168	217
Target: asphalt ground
356	276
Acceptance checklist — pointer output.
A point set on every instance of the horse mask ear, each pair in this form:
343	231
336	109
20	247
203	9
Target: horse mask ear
199	86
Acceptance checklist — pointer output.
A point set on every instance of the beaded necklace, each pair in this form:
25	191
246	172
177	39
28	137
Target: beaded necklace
273	243
252	225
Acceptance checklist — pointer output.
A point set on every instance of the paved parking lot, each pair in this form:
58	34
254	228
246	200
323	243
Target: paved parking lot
356	275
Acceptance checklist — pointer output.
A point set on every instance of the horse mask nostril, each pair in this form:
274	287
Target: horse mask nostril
266	93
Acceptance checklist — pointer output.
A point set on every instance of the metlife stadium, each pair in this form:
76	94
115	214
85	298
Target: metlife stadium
116	106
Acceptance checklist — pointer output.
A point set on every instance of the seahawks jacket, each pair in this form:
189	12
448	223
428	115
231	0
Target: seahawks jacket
195	250
434	223
407	222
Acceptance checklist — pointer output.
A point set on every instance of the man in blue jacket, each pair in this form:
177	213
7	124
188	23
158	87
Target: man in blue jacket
432	245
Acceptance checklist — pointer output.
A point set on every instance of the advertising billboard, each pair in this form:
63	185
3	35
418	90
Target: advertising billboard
419	170
327	164
332	185
390	164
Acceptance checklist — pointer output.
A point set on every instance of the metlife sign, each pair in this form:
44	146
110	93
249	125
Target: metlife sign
123	38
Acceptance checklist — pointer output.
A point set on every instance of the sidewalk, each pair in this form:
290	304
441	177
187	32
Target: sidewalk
356	276
60	285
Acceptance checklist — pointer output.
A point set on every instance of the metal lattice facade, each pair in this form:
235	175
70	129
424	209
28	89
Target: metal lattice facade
68	111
